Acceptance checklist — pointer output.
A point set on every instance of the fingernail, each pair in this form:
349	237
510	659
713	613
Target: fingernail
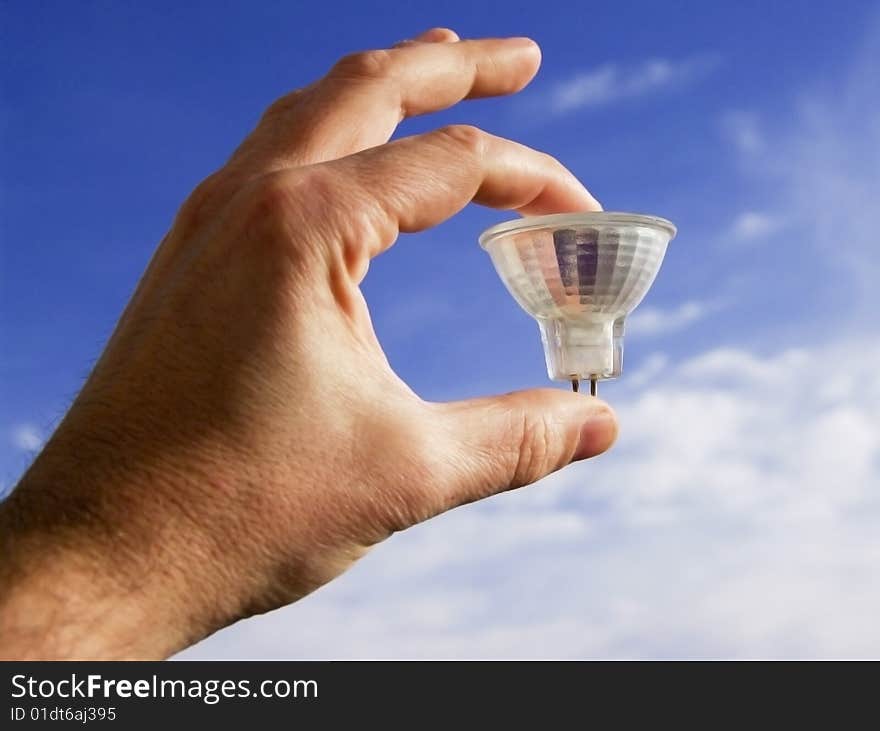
438	35
598	433
523	41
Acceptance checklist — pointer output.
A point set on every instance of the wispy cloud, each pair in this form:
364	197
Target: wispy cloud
830	173
750	226
653	321
614	83
742	128
819	176
26	437
651	368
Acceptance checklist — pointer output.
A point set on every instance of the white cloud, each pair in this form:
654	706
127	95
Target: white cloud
735	517
743	129
26	437
652	367
751	226
653	321
612	83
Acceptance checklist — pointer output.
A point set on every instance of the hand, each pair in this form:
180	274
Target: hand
242	439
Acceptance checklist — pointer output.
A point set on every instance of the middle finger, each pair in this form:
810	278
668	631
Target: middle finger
365	96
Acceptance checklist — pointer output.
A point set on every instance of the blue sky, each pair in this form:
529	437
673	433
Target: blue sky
754	126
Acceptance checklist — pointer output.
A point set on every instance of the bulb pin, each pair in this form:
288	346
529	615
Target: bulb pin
594	386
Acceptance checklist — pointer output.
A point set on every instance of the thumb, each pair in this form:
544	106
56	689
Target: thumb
503	442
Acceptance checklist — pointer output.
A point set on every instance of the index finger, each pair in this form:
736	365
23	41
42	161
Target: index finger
417	182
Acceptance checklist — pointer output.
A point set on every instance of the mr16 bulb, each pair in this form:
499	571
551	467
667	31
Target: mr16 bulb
579	275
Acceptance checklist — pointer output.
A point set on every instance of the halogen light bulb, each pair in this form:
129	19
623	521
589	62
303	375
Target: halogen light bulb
579	275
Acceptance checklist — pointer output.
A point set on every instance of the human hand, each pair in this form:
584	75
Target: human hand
242	439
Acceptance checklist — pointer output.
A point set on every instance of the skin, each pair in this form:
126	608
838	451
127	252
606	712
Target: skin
242	439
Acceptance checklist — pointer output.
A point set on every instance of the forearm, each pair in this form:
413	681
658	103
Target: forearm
59	602
81	576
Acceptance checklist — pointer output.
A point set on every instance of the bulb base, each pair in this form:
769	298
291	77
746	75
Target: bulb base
582	349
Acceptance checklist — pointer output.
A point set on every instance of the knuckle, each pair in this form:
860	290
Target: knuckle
271	205
535	436
283	104
550	161
273	227
200	204
205	190
465	136
283	193
270	196
365	65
